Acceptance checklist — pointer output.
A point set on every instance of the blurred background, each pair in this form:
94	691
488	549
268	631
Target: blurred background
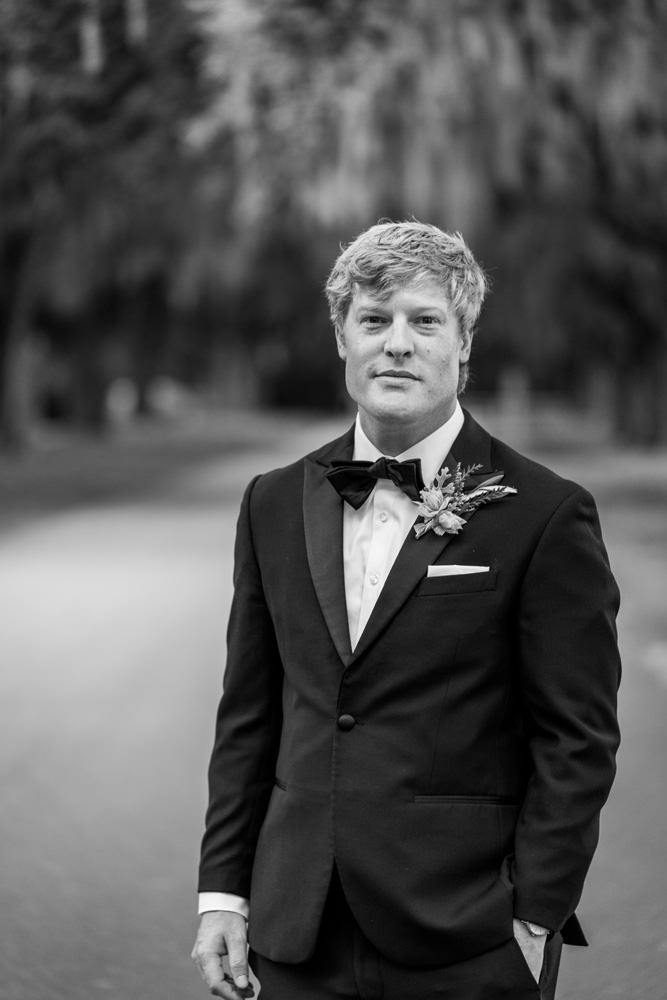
176	178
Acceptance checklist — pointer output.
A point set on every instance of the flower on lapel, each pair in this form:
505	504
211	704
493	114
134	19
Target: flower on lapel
445	502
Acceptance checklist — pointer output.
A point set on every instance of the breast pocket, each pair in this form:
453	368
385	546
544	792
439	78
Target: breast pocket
466	583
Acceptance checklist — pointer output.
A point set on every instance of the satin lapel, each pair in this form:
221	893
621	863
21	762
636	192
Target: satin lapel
472	447
323	525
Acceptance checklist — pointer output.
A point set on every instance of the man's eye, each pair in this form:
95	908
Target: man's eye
372	319
428	320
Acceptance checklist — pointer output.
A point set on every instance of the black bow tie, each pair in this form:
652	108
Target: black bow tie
355	480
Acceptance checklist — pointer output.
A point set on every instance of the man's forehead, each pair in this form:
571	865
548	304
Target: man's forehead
425	289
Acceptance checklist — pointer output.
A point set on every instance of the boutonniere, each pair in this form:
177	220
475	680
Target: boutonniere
446	504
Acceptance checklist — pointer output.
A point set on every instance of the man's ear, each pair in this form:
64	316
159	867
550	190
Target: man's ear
466	346
340	344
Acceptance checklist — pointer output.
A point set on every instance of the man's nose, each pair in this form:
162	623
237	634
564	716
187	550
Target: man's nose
398	343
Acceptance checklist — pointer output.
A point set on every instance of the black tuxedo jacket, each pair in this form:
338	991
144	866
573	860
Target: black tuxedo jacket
465	784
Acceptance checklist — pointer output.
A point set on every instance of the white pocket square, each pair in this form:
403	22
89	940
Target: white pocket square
454	570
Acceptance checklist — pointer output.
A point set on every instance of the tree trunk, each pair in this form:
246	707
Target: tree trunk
148	316
89	375
640	412
657	429
14	332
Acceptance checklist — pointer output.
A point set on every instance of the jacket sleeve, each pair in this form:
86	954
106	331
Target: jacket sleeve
570	671
241	770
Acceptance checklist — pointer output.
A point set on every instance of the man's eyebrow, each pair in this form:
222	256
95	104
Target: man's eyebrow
426	307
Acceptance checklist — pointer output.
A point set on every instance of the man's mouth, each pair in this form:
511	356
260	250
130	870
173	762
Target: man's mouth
396	373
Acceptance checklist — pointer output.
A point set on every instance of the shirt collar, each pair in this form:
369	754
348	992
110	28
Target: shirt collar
431	450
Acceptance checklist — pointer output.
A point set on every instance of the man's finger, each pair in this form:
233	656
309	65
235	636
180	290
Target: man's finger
237	964
211	971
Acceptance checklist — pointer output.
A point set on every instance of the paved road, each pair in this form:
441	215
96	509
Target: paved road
111	644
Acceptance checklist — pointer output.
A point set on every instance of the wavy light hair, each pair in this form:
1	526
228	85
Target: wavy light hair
392	254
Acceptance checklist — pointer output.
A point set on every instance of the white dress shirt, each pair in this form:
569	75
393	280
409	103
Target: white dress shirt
372	538
374	534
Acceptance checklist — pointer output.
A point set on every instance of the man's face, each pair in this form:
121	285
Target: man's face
402	355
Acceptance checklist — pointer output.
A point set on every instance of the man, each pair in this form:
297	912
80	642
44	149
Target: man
418	725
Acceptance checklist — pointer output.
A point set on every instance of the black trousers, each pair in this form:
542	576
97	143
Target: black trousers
346	966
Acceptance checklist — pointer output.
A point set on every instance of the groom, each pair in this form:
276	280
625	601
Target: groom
418	725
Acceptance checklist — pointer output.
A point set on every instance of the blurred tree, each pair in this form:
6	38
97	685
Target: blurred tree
538	127
178	174
94	96
591	100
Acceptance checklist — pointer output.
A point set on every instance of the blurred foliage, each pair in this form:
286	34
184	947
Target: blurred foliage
176	178
92	170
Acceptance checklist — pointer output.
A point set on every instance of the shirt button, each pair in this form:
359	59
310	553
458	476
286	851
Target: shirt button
383	516
373	579
346	722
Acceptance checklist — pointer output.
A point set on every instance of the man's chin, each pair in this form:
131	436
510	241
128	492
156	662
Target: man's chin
400	394
392	413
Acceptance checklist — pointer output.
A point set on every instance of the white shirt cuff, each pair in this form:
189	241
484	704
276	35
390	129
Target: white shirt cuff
223	901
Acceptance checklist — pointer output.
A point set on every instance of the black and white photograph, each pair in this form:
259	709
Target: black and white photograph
333	499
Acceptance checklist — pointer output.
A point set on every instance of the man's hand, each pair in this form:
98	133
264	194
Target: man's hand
221	955
532	948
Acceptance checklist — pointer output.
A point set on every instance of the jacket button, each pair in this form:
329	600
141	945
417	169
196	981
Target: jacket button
346	722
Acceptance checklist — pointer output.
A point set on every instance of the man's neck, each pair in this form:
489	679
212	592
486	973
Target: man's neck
394	439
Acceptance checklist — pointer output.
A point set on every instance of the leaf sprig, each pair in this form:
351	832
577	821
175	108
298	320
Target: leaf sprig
446	502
